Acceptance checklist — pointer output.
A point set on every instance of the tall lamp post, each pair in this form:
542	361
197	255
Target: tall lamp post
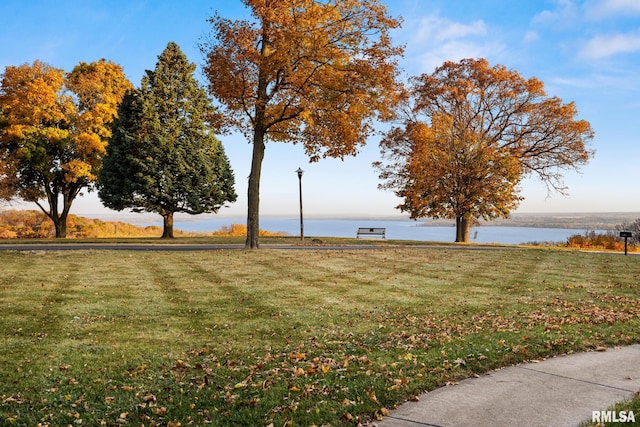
300	172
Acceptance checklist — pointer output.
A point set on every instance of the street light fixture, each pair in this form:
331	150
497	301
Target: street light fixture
300	172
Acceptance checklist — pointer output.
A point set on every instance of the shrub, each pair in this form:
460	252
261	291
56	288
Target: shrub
241	230
592	240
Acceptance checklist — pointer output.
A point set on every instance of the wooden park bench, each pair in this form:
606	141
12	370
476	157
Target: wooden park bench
371	232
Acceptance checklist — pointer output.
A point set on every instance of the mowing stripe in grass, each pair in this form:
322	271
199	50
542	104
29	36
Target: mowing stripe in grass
278	336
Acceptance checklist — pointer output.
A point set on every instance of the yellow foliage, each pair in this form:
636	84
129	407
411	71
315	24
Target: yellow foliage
55	118
76	170
53	134
89	145
8	234
31	94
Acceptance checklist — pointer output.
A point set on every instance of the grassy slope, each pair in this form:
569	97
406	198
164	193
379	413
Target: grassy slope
276	336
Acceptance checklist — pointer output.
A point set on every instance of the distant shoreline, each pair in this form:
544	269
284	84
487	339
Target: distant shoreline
521	227
581	220
568	220
587	221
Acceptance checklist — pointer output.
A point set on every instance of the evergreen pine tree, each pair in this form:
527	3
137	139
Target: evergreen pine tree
163	156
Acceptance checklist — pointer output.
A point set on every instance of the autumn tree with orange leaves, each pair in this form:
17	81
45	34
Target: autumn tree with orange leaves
470	134
54	130
303	71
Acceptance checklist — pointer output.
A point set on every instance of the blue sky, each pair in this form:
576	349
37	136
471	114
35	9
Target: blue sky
587	51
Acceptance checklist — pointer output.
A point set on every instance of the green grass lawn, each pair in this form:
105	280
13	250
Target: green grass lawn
285	337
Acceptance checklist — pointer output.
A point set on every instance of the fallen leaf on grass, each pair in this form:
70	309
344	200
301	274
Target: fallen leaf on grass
11	399
149	398
295	356
347	402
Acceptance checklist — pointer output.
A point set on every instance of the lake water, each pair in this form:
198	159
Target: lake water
395	229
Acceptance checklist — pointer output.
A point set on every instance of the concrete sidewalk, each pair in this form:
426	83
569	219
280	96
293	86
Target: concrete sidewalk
562	391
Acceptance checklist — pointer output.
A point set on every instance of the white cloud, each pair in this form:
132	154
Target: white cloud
598	9
598	82
604	46
456	50
564	12
439	39
436	29
531	36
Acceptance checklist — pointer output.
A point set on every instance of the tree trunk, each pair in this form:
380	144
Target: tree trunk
60	223
59	220
67	200
259	131
463	228
253	214
167	232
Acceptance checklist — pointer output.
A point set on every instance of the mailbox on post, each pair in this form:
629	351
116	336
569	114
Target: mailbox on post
626	235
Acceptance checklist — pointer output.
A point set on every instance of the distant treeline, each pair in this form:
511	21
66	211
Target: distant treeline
581	221
33	224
